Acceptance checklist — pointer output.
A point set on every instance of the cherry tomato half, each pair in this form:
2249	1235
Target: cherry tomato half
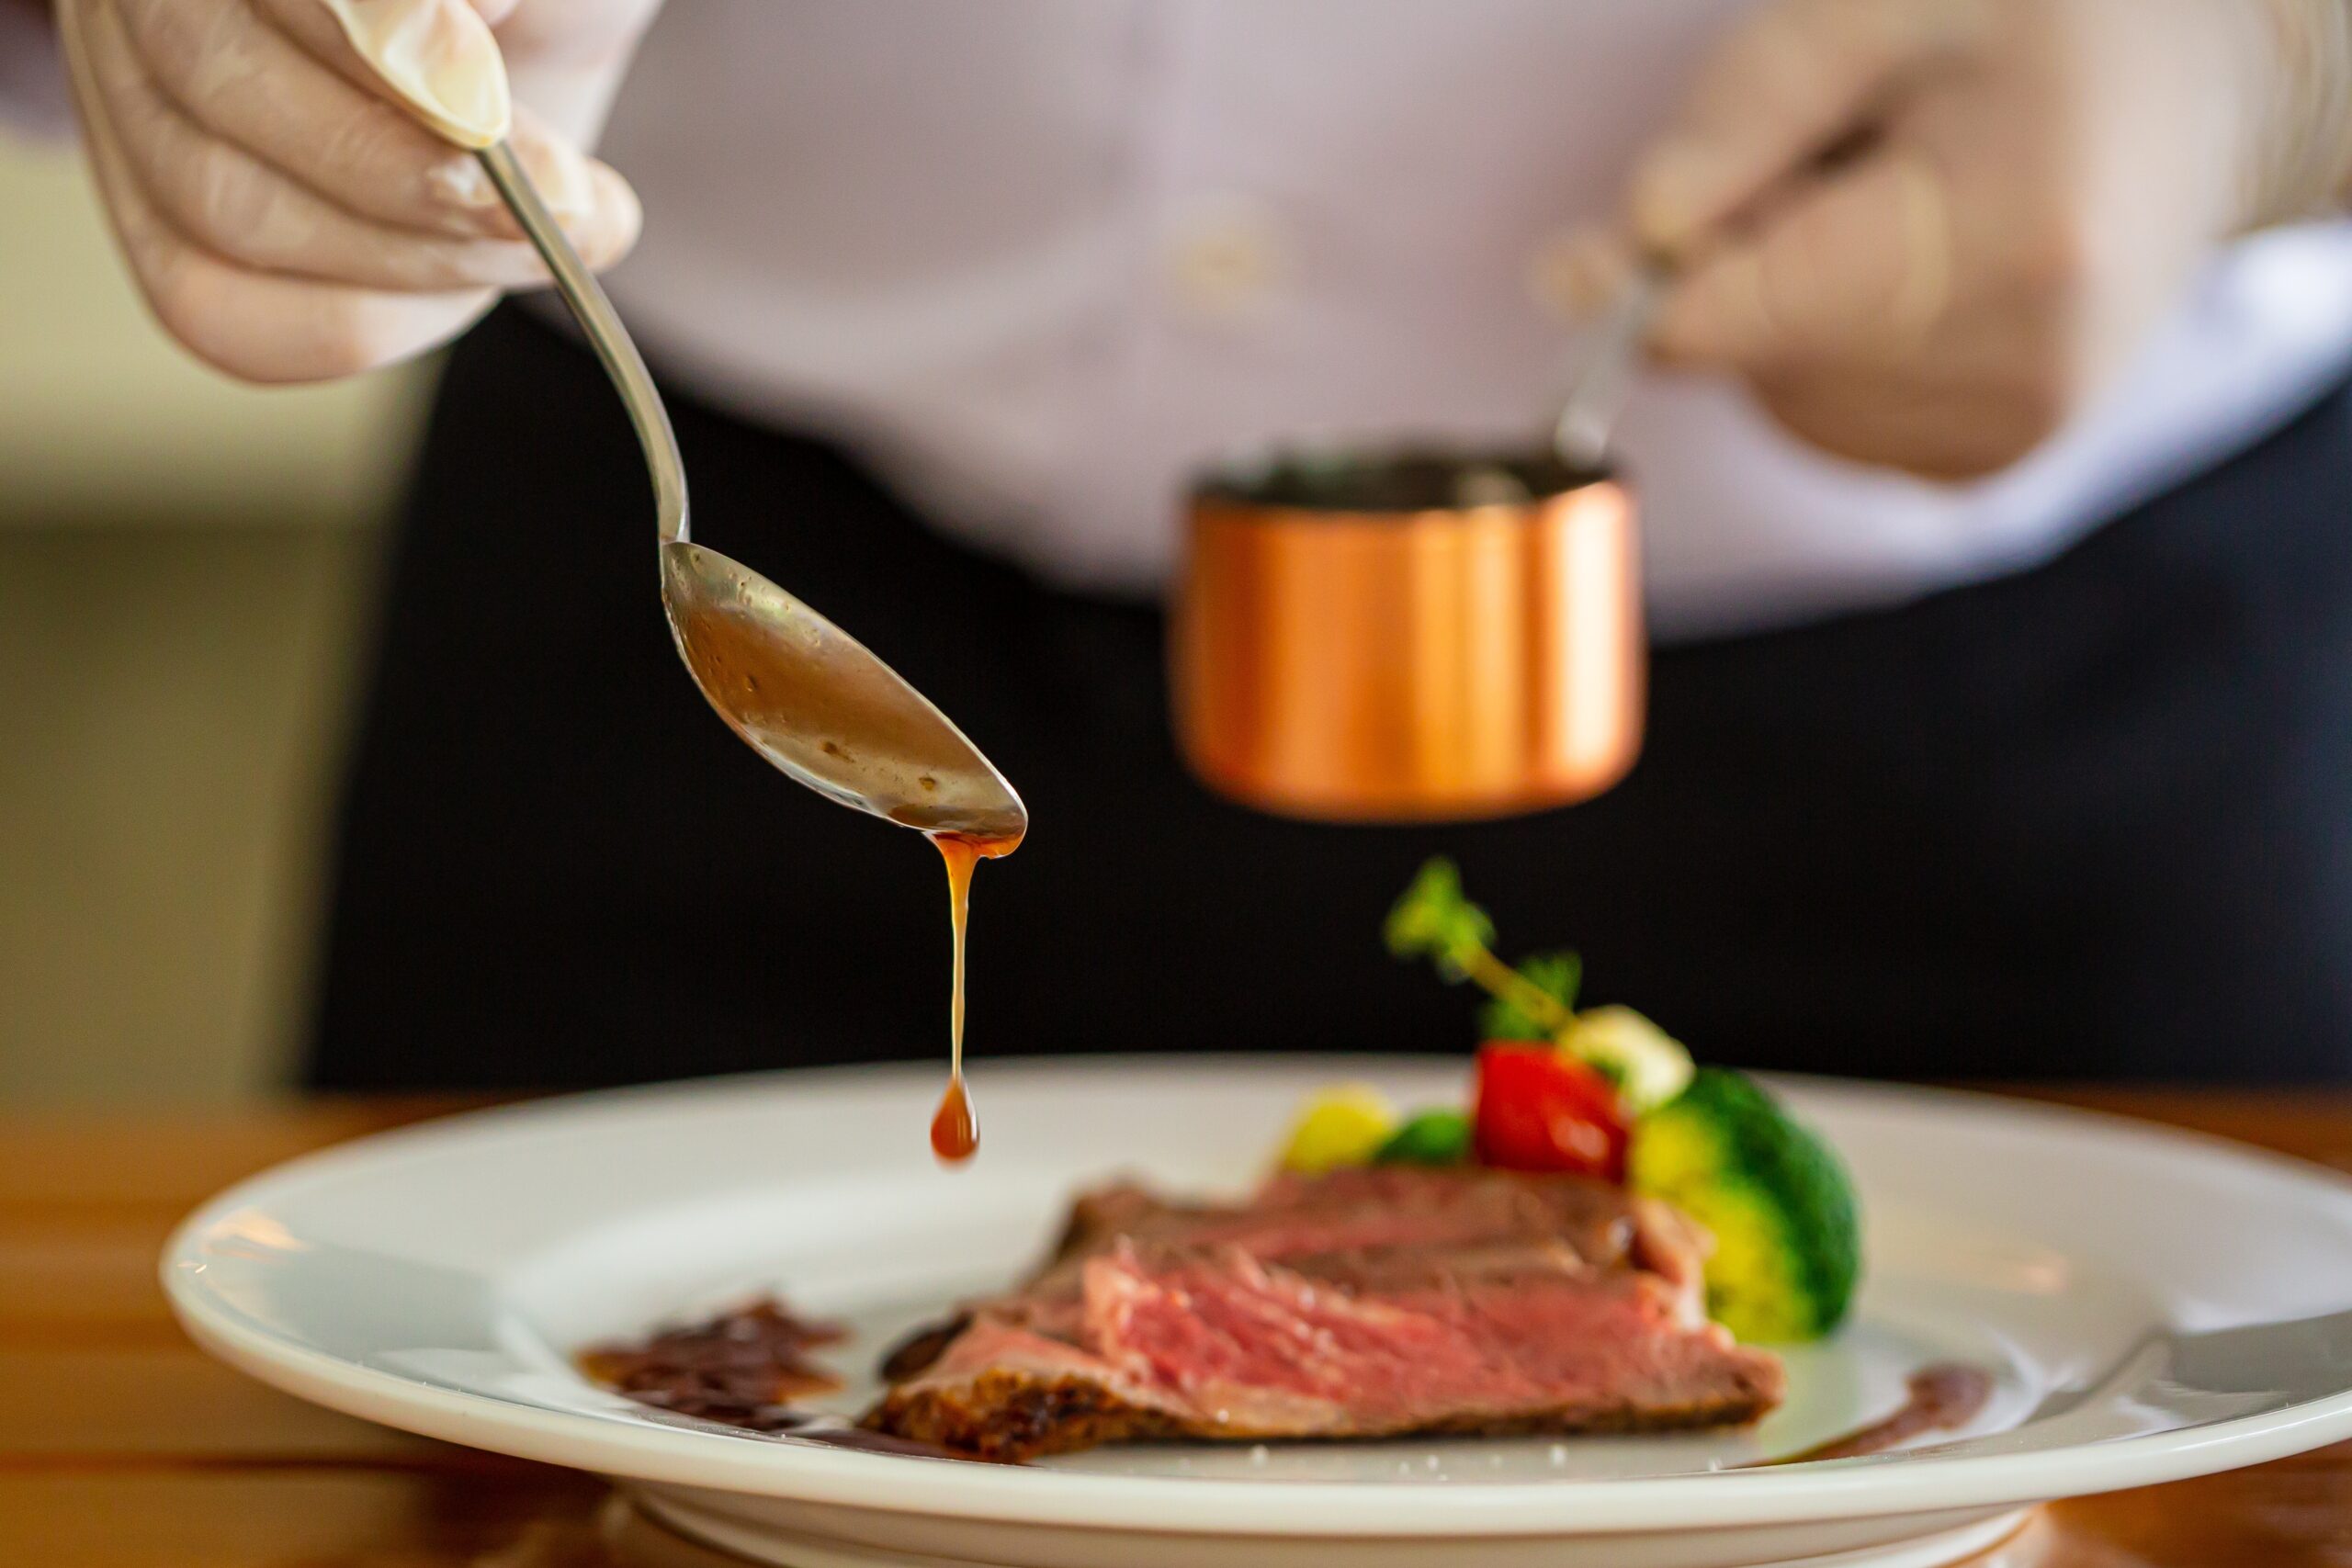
1541	1111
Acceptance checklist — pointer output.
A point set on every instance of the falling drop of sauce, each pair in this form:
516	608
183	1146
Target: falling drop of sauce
954	1131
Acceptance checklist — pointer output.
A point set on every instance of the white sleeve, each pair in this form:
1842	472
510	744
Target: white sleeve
32	77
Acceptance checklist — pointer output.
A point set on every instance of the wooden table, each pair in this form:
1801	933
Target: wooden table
122	1447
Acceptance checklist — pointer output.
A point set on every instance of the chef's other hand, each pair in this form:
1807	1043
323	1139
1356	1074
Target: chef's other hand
1926	231
287	216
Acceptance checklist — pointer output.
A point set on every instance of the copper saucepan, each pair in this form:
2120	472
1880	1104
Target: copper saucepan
1410	636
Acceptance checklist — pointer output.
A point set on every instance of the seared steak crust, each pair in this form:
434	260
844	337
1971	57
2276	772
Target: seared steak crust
1009	1417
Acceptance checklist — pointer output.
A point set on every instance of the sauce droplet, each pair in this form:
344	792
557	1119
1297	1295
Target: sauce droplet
954	1131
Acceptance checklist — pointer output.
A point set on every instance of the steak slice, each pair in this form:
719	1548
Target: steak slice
1359	1304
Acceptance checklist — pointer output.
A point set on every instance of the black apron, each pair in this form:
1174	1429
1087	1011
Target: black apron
2094	820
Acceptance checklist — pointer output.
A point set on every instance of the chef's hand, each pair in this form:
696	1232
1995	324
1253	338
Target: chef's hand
1926	231
288	217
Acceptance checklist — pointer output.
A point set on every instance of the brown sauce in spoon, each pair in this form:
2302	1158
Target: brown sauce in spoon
954	1130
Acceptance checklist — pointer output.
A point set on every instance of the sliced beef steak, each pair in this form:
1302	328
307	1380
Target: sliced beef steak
1363	1303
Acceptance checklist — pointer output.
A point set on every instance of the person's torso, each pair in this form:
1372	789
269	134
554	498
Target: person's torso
1042	258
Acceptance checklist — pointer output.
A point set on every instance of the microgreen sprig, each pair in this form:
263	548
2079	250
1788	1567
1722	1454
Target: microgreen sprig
1433	921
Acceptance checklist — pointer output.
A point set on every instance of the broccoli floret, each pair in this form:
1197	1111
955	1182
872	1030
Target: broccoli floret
1430	1138
1787	1230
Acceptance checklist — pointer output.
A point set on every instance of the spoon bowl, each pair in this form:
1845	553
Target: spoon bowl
812	700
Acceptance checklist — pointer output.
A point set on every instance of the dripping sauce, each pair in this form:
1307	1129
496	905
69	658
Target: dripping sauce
954	1130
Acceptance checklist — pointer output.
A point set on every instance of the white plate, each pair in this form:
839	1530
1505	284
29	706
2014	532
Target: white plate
2155	1307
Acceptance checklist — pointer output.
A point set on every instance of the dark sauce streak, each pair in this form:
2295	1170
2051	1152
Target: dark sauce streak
736	1368
832	1433
1943	1399
913	1356
742	1369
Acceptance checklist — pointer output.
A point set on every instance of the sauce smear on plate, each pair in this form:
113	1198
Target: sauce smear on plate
743	1368
1944	1398
954	1131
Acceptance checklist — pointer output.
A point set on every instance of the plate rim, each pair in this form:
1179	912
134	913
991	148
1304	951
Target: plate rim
1210	1506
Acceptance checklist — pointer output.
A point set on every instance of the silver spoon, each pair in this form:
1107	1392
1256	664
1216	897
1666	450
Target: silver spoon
1603	373
804	694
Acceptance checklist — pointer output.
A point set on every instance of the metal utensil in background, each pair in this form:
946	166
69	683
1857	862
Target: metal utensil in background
1603	374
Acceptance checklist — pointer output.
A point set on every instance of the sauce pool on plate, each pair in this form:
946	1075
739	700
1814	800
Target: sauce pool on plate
1942	1398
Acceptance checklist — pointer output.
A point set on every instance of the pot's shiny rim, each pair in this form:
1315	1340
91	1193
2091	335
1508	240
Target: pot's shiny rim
1272	481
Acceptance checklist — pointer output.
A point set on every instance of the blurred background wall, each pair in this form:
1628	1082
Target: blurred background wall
184	568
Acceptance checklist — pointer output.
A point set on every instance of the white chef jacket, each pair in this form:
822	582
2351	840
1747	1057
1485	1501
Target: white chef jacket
1040	259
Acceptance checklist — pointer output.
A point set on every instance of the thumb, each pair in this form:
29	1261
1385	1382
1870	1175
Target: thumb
438	57
1786	85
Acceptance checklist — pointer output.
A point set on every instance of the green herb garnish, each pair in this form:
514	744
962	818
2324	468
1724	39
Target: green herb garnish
1555	975
1433	921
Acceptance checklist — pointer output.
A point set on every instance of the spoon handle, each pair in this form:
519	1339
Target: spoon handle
607	335
1604	375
